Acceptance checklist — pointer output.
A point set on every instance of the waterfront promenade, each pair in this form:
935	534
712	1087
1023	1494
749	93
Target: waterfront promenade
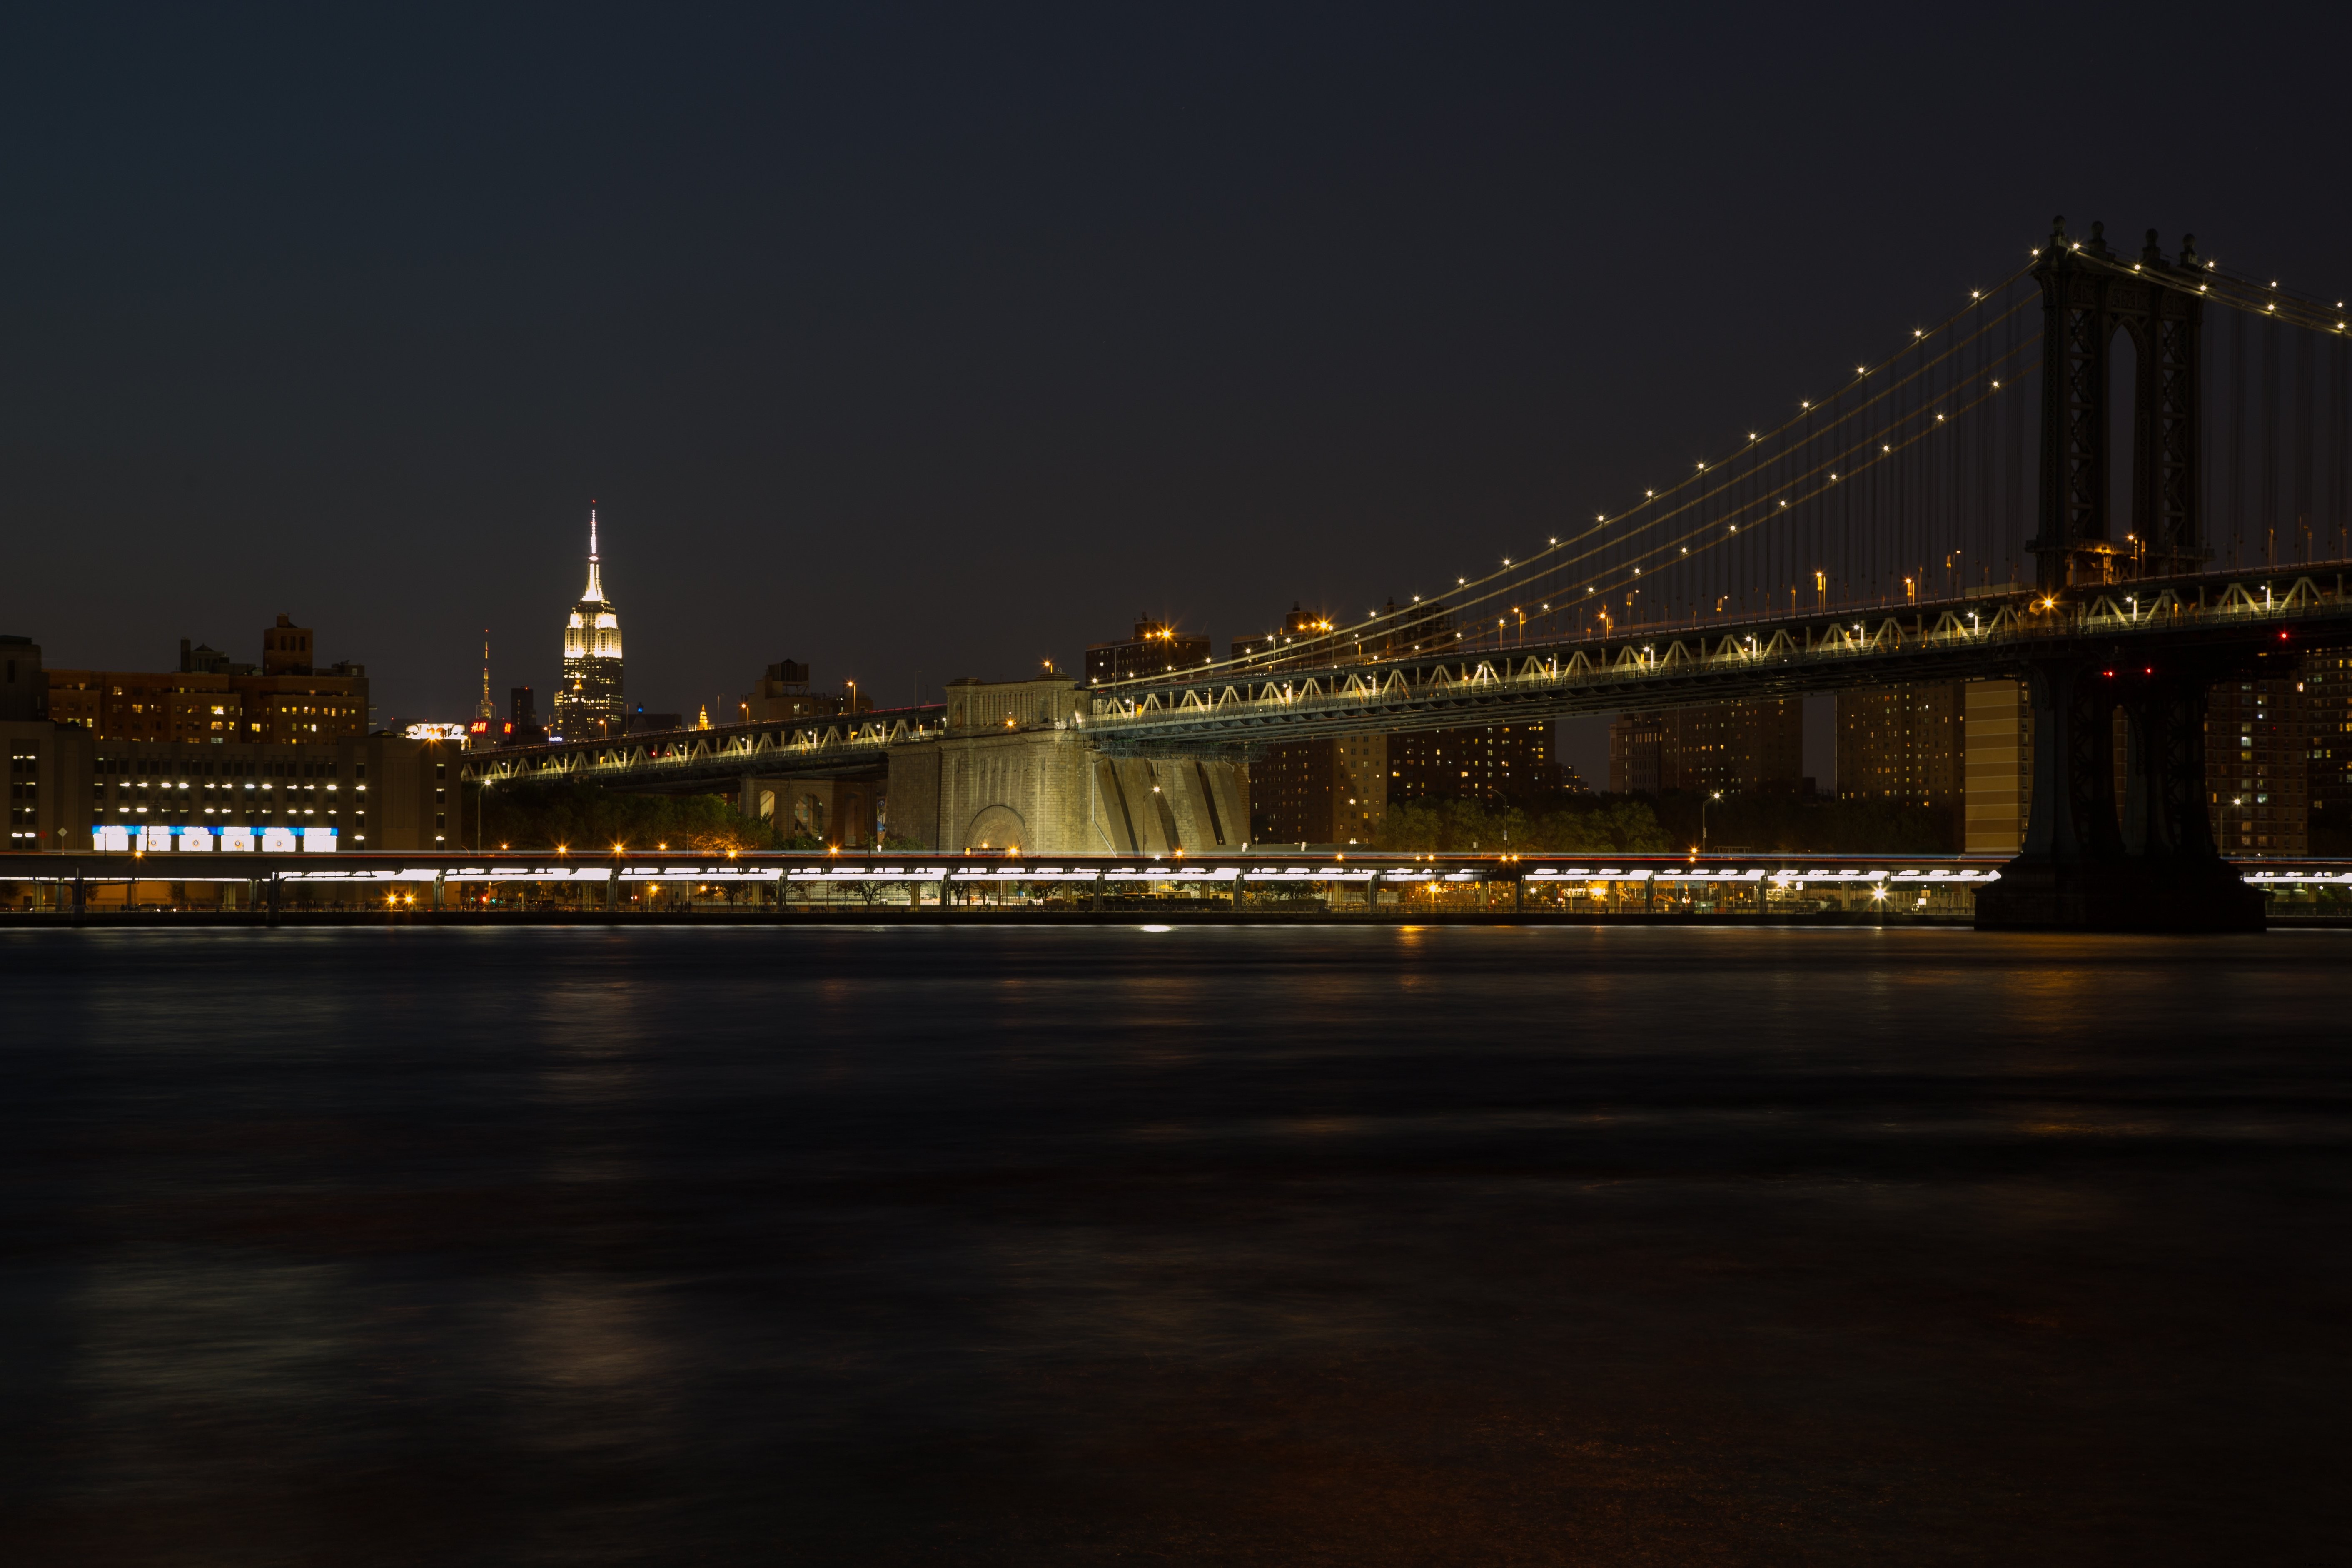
900	886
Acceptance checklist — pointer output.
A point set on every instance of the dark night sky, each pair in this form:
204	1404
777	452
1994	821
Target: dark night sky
936	343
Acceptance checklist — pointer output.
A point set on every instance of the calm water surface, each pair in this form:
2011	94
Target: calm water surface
1217	1245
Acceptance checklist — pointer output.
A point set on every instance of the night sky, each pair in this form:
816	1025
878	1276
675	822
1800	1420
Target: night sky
918	344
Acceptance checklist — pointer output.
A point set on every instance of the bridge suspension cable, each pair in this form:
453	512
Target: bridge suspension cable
1914	479
1757	503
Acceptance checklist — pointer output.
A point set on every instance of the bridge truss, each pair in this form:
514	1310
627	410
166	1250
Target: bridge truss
678	759
2231	616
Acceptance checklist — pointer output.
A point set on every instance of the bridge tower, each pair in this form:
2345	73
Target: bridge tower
2088	295
2091	862
2148	861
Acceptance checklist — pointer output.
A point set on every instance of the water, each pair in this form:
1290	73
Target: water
1212	1244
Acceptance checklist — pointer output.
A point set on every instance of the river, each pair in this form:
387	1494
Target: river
1223	1244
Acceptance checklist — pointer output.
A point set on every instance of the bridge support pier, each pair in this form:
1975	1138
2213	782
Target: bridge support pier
2087	866
833	811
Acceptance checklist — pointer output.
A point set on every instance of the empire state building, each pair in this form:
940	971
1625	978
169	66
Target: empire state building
588	705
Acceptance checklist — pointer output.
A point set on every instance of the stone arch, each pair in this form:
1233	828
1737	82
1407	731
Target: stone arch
995	827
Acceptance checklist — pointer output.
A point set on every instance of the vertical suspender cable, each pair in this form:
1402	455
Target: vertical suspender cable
2341	445
2306	397
2235	478
2267	520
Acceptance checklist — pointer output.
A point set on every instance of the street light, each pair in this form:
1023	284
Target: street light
1702	820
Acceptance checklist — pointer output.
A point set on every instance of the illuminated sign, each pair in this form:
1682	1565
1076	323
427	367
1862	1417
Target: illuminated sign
163	840
435	731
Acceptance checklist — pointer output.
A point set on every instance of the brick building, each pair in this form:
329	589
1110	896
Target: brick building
782	692
2258	746
75	785
1734	747
1492	763
1311	639
1333	791
1904	744
1156	648
1303	639
2327	718
1339	790
209	700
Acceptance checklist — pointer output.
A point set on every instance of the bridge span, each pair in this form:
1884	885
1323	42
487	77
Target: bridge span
1876	534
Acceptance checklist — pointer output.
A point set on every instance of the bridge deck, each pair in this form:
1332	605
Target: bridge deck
2221	614
2218	615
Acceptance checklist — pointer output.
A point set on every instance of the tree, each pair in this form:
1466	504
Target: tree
577	815
1578	826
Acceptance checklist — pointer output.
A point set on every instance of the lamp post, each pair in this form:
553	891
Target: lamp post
1702	819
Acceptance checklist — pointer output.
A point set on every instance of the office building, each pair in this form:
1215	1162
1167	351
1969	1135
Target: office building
209	700
1156	648
590	703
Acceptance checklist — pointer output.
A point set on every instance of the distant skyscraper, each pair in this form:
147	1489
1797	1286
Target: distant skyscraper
589	703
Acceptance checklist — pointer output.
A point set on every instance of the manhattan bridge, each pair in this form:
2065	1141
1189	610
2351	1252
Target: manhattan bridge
1996	497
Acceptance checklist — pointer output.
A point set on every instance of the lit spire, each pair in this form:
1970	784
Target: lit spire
596	580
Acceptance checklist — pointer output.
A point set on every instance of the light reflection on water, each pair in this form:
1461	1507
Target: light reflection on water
1211	1244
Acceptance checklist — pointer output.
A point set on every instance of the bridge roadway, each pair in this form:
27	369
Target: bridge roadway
2226	615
